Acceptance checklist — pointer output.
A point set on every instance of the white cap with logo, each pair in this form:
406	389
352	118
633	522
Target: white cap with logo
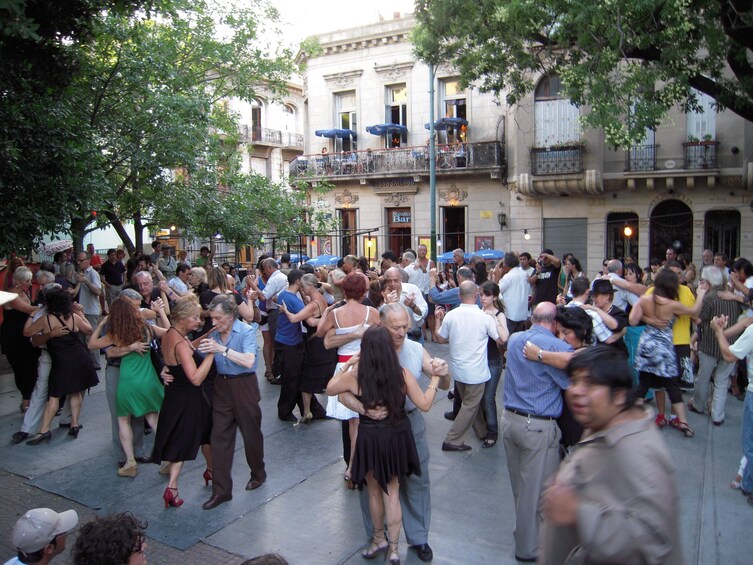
38	527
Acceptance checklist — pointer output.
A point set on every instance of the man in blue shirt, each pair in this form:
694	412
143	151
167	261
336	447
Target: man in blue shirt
235	403
290	349
451	296
533	402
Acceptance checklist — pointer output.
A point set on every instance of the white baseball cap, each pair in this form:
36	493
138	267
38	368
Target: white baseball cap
38	527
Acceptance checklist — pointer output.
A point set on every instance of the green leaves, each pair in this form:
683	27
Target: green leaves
627	63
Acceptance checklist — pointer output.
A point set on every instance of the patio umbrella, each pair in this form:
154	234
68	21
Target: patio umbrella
336	133
488	254
446	257
382	129
295	258
444	123
324	260
55	246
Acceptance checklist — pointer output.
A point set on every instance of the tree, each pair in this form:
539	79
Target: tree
629	62
38	149
150	95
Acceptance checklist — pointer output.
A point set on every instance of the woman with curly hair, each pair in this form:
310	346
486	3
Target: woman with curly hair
117	539
140	392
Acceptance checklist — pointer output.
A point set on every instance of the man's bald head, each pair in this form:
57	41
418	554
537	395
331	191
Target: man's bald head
544	314
466	274
468	291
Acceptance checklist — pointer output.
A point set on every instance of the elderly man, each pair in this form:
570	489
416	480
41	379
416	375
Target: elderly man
40	535
410	296
148	293
468	329
415	491
458	261
336	277
276	283
236	399
514	290
533	402
622	296
594	510
451	296
88	296
709	352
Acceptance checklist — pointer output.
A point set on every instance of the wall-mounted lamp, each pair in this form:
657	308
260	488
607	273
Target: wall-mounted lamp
526	235
502	219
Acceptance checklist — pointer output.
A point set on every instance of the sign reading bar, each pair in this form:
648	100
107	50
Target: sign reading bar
401	217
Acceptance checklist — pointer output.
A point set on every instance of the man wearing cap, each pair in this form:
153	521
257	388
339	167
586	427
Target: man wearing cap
615	319
40	535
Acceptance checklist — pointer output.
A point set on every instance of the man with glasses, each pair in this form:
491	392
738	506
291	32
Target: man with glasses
40	535
88	296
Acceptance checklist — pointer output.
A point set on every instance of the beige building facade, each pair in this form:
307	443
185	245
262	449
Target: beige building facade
520	178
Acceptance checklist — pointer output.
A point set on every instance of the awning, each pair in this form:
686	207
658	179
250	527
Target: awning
336	133
381	129
56	246
444	123
488	254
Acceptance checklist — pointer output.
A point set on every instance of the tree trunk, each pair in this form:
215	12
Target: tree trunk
121	231
78	231
139	230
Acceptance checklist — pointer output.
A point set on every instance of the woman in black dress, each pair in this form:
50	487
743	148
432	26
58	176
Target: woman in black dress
72	370
385	449
185	420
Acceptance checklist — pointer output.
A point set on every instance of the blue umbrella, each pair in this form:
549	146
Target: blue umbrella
323	261
295	258
381	129
487	254
447	257
334	133
444	123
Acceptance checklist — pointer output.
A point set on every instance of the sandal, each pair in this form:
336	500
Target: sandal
349	484
378	545
488	442
682	426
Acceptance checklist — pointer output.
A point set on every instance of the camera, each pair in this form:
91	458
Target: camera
540	262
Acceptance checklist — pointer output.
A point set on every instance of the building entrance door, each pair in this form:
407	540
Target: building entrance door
399	224
671	226
453	225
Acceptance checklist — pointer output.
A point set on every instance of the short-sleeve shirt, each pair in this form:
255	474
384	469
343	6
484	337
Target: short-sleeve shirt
86	297
468	329
242	339
743	349
411	357
545	289
289	333
113	272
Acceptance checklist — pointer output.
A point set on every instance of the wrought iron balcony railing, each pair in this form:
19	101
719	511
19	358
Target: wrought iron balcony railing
481	155
641	158
700	154
557	160
250	134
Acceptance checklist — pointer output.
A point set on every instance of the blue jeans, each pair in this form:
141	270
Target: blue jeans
489	400
747	482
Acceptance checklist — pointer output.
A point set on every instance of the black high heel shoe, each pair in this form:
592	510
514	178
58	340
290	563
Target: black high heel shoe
73	432
207	477
39	438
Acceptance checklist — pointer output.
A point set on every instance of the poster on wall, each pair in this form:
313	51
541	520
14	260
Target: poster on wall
325	246
427	242
484	242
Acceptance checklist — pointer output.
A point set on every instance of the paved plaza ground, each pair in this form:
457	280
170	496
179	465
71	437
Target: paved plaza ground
303	511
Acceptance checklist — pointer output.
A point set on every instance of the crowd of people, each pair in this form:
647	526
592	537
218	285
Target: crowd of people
577	361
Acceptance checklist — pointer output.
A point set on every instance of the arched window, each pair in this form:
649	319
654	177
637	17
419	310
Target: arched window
622	235
671	226
556	119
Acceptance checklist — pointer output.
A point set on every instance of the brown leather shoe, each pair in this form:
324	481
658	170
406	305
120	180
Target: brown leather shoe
255	483
216	500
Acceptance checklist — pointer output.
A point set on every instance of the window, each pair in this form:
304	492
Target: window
396	112
454	106
702	124
556	119
288	119
722	232
345	104
619	243
256	109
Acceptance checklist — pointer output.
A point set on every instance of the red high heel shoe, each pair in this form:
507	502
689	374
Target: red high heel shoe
172	499
207	477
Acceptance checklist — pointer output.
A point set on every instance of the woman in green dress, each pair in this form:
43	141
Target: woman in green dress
140	392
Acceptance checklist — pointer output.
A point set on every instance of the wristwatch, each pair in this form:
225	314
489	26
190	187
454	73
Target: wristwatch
540	355
224	353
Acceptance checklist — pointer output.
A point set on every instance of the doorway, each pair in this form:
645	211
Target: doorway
399	226
348	227
671	226
453	227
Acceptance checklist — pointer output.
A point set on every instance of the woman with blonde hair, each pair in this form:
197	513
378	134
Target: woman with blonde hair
185	420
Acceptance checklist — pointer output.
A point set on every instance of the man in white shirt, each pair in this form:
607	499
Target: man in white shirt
622	296
409	295
276	283
179	283
88	296
467	329
514	290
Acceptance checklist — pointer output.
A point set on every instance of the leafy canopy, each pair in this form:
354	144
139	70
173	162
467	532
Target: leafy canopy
629	62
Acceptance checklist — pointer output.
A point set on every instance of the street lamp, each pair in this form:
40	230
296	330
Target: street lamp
369	243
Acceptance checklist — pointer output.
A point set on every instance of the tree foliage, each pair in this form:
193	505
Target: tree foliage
629	62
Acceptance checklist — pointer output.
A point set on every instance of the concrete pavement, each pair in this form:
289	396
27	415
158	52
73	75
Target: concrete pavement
304	512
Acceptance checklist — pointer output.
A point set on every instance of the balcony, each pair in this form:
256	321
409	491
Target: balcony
700	154
414	160
641	158
557	160
266	136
